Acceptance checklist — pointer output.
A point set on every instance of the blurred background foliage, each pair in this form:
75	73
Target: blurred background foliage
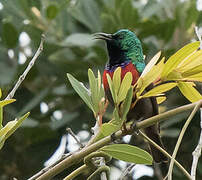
68	25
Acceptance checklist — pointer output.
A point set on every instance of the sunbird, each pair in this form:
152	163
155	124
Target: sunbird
125	51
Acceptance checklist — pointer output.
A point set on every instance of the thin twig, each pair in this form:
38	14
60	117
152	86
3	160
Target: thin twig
165	153
30	65
196	153
180	139
76	172
74	136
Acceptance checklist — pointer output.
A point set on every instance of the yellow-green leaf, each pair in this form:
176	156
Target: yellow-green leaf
111	87
178	58
19	122
7	127
94	90
117	79
195	77
192	61
105	130
125	107
150	77
193	71
125	85
10	128
6	102
81	90
159	89
0	93
189	92
160	99
174	75
151	63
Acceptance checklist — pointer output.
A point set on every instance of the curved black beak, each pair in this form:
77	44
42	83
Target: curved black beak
103	36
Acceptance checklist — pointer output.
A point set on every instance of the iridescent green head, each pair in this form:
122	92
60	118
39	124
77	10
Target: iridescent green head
123	46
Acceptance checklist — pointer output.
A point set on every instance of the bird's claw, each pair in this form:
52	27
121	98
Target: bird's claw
133	126
113	137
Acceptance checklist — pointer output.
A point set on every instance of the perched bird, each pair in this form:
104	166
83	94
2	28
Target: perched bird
125	51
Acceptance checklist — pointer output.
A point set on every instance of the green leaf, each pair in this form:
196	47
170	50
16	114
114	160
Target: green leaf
160	89
94	90
128	153
10	128
189	91
192	71
105	130
17	124
126	104
0	93
125	85
51	11
149	77
117	79
191	62
6	102
9	35
178	57
112	90
81	90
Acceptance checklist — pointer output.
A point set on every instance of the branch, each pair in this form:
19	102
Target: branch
74	136
180	138
78	156
30	65
196	153
164	152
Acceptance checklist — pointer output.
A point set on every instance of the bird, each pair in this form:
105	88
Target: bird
125	51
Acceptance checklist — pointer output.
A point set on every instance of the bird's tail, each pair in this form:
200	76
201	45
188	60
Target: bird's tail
153	134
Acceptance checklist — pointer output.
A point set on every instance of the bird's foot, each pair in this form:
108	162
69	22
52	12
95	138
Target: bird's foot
124	129
133	127
113	137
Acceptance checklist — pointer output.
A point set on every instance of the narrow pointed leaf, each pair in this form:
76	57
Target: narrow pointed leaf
94	89
17	124
151	63
112	90
6	102
128	153
0	93
10	128
117	79
189	92
150	77
195	77
160	89
193	71
127	103
179	57
81	90
125	85
192	61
